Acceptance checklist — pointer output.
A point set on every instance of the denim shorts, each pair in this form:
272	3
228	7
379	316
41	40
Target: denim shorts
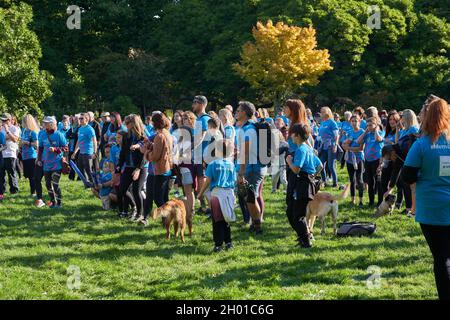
254	179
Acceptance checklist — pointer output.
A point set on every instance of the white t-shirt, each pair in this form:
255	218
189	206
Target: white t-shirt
11	147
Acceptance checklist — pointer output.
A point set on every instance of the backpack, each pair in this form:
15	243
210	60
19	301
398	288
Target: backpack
356	229
404	144
263	128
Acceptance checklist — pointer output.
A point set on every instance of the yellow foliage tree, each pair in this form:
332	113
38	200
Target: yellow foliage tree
282	59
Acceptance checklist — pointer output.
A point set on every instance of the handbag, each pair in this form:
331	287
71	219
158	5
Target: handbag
65	167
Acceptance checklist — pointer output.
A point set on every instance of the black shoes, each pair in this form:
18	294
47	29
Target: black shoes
229	246
217	249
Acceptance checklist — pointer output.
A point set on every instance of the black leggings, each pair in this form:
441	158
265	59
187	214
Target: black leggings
126	180
38	174
52	183
438	239
148	203
356	178
161	189
244	209
296	210
372	181
28	170
221	233
386	174
404	191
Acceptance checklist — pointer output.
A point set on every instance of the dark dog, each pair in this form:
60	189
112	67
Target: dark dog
386	207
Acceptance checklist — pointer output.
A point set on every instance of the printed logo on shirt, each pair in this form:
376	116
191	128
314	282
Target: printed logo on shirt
444	166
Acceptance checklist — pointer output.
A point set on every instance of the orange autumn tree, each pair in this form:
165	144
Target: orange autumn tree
282	59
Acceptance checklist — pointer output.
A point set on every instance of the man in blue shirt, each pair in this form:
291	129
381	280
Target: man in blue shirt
87	145
200	144
251	171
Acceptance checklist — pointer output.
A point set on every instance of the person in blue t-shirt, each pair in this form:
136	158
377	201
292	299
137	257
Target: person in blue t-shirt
372	139
305	165
87	146
105	186
329	135
199	105
427	166
221	179
354	158
29	143
52	145
251	171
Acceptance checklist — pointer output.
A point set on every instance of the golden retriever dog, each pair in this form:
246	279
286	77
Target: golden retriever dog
322	204
172	211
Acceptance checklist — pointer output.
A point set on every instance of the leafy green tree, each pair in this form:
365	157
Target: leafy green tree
22	85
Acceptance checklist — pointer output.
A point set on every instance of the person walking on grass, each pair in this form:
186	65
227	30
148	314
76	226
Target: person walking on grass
428	166
354	158
221	179
29	143
52	145
9	154
251	171
305	165
87	146
329	134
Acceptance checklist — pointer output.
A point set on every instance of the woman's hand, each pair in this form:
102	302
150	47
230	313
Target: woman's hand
135	147
136	174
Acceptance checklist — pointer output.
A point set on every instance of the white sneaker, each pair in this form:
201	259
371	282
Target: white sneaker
39	203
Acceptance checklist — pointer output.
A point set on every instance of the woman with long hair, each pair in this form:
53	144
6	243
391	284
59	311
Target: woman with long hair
226	117
29	138
329	135
428	167
132	166
160	153
115	126
392	121
407	125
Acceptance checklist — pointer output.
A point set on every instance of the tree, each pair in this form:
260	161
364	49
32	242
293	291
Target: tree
282	59
22	85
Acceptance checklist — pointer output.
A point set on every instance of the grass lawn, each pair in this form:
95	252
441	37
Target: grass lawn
118	259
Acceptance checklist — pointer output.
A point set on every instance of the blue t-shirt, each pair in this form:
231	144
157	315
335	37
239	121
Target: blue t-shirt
230	132
28	151
104	178
354	135
433	183
346	127
222	174
114	154
2	138
328	131
52	161
372	148
248	134
85	143
151	131
411	130
391	137
201	126
305	159
363	124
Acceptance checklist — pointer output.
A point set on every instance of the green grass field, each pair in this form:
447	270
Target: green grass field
118	259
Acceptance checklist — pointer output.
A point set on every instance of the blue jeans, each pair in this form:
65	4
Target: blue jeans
328	156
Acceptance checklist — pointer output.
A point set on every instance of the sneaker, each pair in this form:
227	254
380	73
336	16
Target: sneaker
304	244
49	203
258	231
39	203
143	221
398	206
229	246
208	213
217	249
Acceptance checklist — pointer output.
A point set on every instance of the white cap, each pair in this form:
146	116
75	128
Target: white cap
49	119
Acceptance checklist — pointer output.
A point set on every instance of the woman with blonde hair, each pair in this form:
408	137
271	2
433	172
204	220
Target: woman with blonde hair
408	124
427	166
329	135
29	146
226	117
134	172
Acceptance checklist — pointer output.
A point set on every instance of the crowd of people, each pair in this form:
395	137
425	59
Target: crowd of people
131	165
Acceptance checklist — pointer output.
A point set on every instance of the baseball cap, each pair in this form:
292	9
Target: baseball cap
6	116
105	114
200	99
49	119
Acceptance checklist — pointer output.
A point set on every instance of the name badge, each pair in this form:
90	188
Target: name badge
444	166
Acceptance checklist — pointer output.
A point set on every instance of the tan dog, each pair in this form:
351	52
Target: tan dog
322	204
172	211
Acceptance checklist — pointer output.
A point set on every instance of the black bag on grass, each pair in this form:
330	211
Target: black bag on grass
356	229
